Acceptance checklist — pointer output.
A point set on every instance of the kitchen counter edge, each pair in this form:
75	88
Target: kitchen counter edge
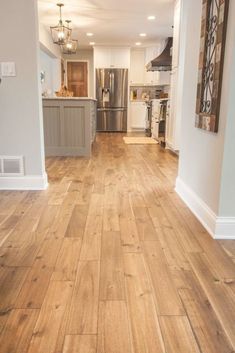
70	98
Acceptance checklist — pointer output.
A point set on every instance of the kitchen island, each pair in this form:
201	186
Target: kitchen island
69	126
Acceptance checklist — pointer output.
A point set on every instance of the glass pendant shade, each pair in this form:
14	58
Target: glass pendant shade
60	32
70	46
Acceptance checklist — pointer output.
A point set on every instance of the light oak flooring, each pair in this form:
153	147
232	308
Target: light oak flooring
110	260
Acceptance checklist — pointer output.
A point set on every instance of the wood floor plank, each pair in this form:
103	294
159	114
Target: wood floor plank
80	344
145	330
23	256
167	298
7	227
206	326
36	283
128	228
11	281
83	315
23	232
177	334
229	247
172	248
47	218
129	235
112	272
144	224
91	245
76	226
111	219
85	194
59	193
61	221
18	331
50	318
112	279
219	294
111	245
186	238
113	328
67	262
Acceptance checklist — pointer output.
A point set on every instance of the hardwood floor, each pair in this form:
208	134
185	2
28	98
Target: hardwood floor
110	260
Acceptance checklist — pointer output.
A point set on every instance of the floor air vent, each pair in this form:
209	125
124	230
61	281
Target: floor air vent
11	166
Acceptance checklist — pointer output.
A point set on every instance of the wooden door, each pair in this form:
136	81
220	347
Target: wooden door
77	78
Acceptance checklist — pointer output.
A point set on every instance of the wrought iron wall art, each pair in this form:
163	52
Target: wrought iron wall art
213	36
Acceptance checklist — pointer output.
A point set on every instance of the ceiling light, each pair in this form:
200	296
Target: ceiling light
71	45
89	34
92	43
60	32
143	34
151	18
137	43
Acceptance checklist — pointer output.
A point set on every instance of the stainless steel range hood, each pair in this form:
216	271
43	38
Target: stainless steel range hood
164	61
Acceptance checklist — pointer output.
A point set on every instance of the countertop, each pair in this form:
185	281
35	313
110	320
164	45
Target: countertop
70	98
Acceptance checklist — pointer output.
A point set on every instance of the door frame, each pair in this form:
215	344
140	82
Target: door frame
88	72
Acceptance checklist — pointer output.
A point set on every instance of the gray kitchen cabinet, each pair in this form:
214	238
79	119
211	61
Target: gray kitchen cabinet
69	126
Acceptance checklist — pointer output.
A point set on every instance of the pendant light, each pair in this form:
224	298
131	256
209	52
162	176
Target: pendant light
70	46
60	32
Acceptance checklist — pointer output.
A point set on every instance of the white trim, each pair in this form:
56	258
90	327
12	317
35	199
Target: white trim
225	228
29	182
170	146
218	227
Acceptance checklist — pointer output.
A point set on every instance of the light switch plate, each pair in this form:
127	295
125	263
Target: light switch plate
8	69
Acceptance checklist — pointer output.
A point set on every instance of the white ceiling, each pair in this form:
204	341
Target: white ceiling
113	22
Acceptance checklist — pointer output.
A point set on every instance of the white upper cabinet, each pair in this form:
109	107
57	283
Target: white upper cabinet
137	68
106	57
138	73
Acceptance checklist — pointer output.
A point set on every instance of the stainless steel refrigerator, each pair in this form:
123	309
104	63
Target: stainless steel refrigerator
112	99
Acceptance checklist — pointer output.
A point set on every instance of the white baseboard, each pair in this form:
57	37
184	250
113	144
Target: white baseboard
170	146
225	228
218	227
28	182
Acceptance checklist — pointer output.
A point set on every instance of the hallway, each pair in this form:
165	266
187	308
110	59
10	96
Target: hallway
109	260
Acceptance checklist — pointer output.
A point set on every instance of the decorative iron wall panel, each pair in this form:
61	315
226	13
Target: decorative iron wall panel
213	36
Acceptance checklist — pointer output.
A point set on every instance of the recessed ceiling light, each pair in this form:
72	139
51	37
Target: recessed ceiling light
151	18
89	34
92	43
137	43
143	34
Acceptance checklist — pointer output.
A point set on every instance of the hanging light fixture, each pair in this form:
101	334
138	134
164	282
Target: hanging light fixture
70	46
60	32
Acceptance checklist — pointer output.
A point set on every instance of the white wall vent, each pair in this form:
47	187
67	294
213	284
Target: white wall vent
11	166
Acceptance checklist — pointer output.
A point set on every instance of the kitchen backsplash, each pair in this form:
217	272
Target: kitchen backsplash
140	93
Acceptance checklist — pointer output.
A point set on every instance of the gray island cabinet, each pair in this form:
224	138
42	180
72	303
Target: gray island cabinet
69	126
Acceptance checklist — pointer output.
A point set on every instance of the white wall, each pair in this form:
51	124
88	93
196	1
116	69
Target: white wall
204	166
46	42
46	67
51	67
20	102
227	194
85	55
